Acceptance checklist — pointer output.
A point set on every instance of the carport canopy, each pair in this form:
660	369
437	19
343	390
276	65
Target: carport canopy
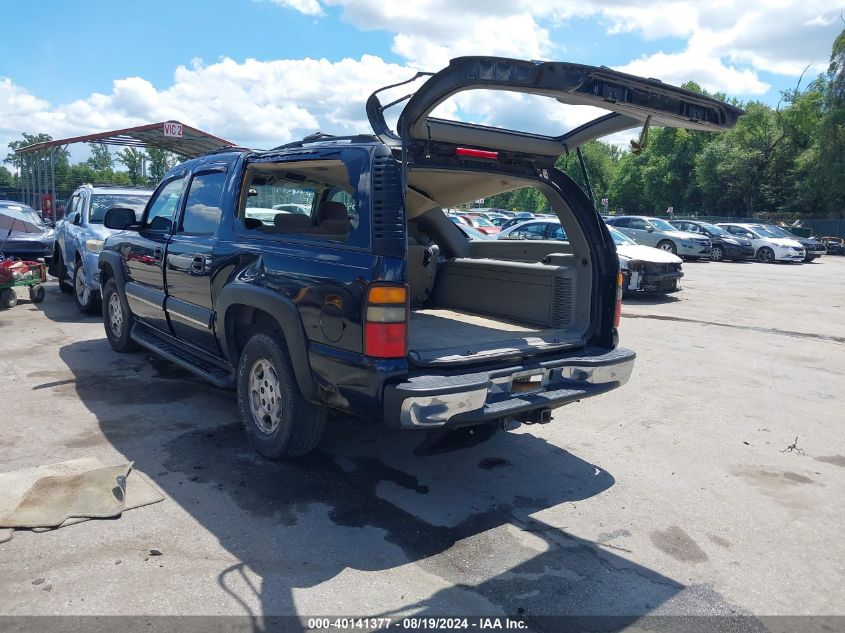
173	136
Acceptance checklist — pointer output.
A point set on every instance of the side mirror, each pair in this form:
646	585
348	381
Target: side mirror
119	218
77	219
650	229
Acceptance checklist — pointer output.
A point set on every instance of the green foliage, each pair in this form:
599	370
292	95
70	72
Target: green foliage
101	158
7	179
160	161
133	159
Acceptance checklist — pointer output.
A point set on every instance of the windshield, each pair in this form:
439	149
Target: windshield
21	212
762	232
620	239
482	221
779	232
102	202
662	225
712	228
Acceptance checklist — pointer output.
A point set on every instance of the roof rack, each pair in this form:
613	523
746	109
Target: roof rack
317	137
107	185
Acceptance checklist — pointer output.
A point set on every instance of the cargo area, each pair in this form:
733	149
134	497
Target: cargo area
485	308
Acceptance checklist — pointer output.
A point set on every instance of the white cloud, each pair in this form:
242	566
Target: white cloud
709	72
254	103
264	103
308	7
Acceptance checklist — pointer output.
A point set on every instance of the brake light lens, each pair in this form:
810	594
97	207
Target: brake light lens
386	321
476	153
617	312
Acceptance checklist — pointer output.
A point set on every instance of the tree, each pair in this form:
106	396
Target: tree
133	159
7	179
101	158
60	154
161	161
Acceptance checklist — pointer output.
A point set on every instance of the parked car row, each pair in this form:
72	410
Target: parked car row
651	249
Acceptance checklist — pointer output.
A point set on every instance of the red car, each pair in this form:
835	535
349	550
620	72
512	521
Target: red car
481	224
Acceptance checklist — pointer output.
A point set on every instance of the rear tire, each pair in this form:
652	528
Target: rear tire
766	255
117	319
668	246
86	298
278	421
8	298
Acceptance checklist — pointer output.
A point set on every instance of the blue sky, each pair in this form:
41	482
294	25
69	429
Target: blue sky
261	72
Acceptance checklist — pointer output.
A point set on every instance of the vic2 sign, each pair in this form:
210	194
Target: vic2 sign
171	128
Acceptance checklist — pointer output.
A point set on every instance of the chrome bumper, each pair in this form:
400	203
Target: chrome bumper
509	393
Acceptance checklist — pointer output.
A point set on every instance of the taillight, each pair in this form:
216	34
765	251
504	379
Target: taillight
617	313
386	321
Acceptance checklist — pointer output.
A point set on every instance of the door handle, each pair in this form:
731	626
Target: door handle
200	264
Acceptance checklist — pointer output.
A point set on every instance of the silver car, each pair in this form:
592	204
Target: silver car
660	234
80	235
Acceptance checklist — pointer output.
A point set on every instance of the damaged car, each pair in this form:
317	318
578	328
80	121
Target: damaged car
646	269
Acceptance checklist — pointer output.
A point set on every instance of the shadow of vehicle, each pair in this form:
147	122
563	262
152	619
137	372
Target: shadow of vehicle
60	307
365	501
650	298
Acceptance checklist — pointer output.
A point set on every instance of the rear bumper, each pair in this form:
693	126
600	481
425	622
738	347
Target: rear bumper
438	400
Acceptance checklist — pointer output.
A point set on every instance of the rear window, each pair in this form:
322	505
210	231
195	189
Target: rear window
314	200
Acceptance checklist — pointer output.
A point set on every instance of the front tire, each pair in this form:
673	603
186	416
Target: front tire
717	254
86	299
766	255
278	421
668	246
117	319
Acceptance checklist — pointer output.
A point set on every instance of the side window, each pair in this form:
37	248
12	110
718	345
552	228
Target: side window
162	207
637	223
534	231
203	206
620	223
74	205
312	200
692	228
556	232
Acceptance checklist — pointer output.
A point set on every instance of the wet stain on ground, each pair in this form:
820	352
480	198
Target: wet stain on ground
606	537
491	463
721	542
836	460
678	544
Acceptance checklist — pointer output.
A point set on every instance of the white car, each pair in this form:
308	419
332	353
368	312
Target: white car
768	247
646	269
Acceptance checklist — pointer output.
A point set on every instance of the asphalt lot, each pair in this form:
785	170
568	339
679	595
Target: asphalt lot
671	495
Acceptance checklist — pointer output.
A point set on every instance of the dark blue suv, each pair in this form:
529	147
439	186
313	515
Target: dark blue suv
324	274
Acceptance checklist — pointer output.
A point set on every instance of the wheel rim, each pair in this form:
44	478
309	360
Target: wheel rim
265	396
79	286
717	253
765	255
667	246
115	315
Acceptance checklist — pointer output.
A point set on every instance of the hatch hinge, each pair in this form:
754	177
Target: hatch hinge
637	147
